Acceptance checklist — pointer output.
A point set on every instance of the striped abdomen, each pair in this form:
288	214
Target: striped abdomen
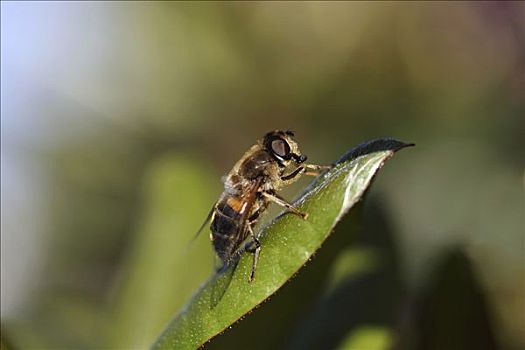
225	226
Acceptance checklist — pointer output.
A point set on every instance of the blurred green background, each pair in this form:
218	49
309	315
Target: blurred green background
118	120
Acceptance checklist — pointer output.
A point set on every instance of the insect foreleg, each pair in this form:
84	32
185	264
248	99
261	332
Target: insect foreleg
304	169
293	176
282	202
314	169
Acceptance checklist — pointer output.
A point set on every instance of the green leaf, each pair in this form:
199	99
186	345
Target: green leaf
288	242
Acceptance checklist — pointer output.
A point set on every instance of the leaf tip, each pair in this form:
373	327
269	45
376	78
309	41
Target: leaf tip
384	144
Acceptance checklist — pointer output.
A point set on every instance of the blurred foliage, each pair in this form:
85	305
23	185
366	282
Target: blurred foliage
373	338
157	281
118	120
451	312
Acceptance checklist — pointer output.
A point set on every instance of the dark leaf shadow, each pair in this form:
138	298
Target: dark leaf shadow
451	310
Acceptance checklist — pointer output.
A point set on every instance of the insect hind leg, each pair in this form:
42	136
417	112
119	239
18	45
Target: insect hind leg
254	246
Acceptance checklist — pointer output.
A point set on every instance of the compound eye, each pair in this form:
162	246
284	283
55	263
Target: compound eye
280	148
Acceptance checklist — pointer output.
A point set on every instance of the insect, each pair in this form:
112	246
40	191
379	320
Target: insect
274	162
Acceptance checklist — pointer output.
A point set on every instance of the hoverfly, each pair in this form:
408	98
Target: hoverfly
273	162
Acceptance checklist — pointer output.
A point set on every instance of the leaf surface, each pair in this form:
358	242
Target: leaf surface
288	242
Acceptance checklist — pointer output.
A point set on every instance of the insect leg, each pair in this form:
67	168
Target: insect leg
293	176
304	169
314	169
255	260
256	250
282	202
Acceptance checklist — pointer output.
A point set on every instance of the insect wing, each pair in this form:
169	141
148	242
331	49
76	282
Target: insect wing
205	223
222	281
251	195
224	275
